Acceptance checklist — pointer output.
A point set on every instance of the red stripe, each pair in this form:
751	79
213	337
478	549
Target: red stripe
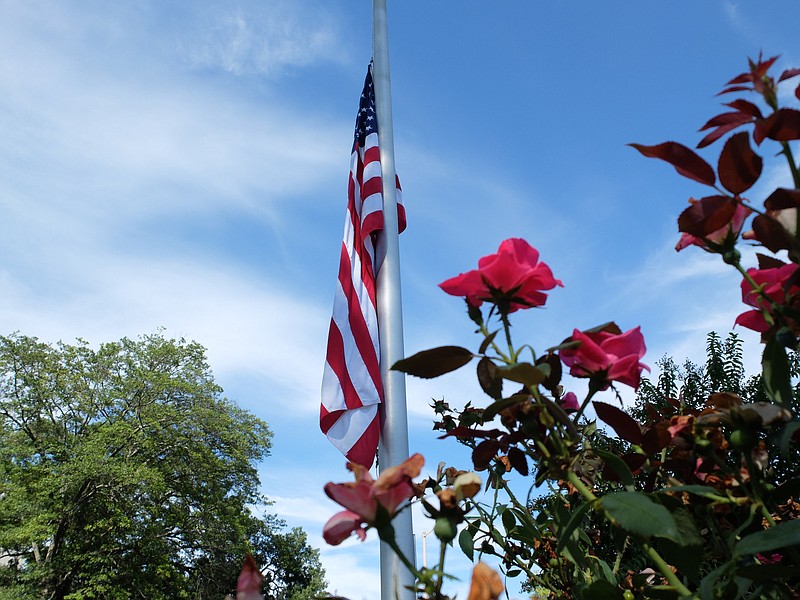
338	366
363	451
358	327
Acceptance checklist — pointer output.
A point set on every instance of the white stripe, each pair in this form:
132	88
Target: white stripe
354	363
340	301
349	428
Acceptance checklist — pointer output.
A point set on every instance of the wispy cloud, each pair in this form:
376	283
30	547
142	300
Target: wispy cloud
246	38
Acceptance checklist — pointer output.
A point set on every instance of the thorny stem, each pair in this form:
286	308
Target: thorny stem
387	535
618	561
666	570
787	152
506	359
440	578
507	329
592	392
651	552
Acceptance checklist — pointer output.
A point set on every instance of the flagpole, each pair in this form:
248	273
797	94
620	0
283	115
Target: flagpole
393	449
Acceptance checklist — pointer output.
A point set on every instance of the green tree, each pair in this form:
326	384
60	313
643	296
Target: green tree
124	473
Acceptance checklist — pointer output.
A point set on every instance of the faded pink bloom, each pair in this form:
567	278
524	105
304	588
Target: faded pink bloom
773	559
607	357
249	585
362	498
569	401
513	278
728	232
779	284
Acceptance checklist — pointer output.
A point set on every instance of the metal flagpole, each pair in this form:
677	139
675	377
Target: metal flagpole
393	447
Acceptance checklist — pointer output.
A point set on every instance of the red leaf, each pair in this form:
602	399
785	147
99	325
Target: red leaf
634	460
782	198
434	362
746	107
685	161
625	426
770	233
788	74
727	118
735	88
739	167
517	459
462	432
782	126
656	438
707	215
483	453
741	78
716	134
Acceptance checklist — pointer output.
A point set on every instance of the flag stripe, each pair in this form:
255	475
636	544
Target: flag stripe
351	384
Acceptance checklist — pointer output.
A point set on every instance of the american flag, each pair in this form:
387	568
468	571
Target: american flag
351	384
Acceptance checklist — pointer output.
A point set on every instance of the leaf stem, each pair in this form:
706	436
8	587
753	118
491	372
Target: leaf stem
667	571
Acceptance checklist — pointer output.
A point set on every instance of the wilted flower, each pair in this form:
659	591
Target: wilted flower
467	485
366	498
724	236
486	583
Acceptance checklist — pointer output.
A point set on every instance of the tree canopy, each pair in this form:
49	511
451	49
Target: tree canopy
124	473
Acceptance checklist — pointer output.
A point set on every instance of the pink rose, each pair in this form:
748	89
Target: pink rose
569	402
607	356
779	284
728	232
362	498
513	278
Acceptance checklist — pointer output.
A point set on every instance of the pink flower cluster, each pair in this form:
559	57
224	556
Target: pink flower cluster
512	278
368	501
778	285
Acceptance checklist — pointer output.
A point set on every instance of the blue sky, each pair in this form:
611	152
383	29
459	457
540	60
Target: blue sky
183	165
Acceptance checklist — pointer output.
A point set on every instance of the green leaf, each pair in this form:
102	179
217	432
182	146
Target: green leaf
487	341
466	543
787	432
782	535
601	590
775	364
524	373
710	581
495	407
509	522
619	466
434	362
637	513
489	379
699	490
766	572
687	534
575	519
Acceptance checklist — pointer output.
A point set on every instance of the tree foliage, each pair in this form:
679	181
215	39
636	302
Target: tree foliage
124	473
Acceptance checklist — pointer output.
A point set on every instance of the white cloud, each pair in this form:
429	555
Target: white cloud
255	38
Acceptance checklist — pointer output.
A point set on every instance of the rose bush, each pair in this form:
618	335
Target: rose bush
693	493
